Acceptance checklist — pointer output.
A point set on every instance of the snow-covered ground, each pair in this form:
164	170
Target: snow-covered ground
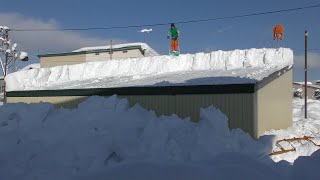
218	67
301	127
106	139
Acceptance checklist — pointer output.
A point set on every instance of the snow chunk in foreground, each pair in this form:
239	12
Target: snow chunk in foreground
106	139
38	141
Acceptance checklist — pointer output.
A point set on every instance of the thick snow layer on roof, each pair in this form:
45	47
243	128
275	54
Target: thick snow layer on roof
148	50
218	67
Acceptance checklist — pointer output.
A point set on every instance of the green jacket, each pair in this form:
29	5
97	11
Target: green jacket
174	33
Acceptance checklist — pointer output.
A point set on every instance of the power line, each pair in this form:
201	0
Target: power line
179	22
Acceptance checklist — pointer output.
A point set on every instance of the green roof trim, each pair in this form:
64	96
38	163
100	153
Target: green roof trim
92	51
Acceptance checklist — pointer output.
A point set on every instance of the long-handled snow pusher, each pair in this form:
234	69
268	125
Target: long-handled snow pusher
283	150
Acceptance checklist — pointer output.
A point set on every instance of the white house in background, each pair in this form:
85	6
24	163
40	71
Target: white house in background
98	53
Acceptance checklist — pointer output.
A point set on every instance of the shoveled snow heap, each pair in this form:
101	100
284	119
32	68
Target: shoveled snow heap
219	67
106	139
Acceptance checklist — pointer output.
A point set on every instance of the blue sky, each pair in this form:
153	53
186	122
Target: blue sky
251	32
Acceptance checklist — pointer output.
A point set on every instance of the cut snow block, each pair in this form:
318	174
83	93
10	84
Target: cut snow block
218	60
278	57
174	64
235	59
254	57
201	61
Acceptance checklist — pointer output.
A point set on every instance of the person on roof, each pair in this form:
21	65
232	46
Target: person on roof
174	33
278	32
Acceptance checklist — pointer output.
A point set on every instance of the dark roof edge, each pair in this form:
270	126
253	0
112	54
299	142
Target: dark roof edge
159	90
265	81
92	51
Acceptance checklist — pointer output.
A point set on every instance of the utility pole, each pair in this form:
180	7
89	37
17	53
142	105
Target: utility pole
305	72
110	50
10	55
6	49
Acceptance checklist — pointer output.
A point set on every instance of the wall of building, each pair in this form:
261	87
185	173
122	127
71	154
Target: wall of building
273	105
70	102
237	107
103	56
52	61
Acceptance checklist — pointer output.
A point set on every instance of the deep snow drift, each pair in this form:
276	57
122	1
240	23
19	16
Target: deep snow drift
106	139
218	67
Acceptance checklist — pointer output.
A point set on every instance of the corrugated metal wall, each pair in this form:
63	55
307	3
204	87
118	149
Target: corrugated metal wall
237	107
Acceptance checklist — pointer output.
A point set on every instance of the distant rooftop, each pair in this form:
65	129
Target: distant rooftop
144	46
310	84
147	50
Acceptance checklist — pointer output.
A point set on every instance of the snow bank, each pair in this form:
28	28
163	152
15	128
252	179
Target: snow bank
138	68
106	139
40	142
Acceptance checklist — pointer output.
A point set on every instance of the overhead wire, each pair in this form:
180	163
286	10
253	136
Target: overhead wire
178	22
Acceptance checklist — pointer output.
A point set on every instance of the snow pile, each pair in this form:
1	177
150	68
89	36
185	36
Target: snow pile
40	142
106	139
145	47
240	66
301	127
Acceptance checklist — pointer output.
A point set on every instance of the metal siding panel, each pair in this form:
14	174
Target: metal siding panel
274	105
238	107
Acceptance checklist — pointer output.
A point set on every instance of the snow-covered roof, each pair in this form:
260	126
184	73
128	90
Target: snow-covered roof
215	68
148	50
309	84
